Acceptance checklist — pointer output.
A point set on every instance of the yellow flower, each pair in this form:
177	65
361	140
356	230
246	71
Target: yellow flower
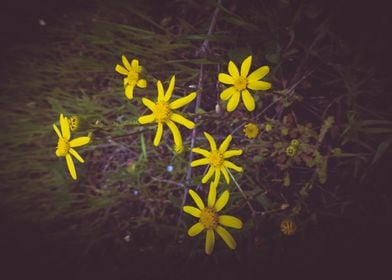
163	112
241	82
216	158
132	73
268	127
251	130
291	151
288	226
210	220
73	122
294	142
65	145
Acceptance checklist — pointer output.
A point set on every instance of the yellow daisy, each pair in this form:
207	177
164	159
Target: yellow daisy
216	158
210	221
288	226
241	82
65	145
163	112
132	73
251	130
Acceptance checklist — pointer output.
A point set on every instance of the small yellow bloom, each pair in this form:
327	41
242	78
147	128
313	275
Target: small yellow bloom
210	220
241	83
294	142
288	226
163	112
268	127
216	158
132	73
65	145
251	130
73	122
291	151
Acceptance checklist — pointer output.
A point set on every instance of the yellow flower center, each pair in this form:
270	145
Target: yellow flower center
216	159
209	218
291	151
133	76
62	147
240	83
251	130
161	111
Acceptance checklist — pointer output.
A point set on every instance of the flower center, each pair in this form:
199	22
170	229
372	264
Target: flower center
133	77
240	83
62	147
161	111
216	159
209	218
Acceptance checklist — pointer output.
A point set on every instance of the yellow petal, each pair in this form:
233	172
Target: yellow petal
76	155
146	119
233	70
126	63
233	102
64	124
158	135
198	162
71	166
211	141
182	101
226	236
210	241
135	65
245	66
129	91
195	212
215	183
170	89
222	201
248	100
258	74
227	93
142	83
176	133
181	120
231	165
125	81
231	153
120	69
148	103
80	141
230	221
225	174
197	199
195	229
225	144
202	152
225	78
57	131
208	175
211	196
259	85
161	92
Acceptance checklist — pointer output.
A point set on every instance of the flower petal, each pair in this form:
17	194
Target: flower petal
148	103
146	119
259	85
215	183
142	83
129	91
80	141
231	153
245	66
161	92
233	70
202	152
126	63
227	93
208	175
135	65
71	166
176	133
231	165
211	141
198	162
248	100
226	236
225	174
125	81
196	199
258	74
230	221
170	89
233	102
210	241
180	102
195	229
120	69
64	124
225	78
195	212
181	120
225	144
222	201
158	135
76	155
211	196
57	131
